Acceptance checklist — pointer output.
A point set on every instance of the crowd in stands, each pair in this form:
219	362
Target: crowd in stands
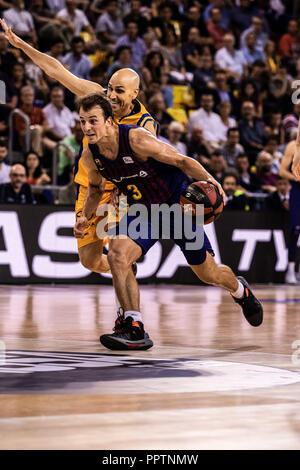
217	75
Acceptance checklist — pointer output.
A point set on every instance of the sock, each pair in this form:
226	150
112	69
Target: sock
136	316
291	267
239	293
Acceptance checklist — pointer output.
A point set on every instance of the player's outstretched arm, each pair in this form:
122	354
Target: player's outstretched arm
52	67
94	193
146	145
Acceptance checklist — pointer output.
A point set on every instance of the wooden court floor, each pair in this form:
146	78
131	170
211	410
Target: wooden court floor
211	381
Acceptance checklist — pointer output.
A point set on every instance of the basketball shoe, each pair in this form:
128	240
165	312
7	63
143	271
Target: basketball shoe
128	335
252	308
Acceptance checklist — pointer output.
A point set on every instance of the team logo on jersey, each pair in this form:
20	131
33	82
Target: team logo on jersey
99	164
142	174
128	160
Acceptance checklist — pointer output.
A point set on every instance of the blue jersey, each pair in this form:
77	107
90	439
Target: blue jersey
147	183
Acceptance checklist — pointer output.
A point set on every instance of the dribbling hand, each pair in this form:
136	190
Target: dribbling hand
80	226
221	191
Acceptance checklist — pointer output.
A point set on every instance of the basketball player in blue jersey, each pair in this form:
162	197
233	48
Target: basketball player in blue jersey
147	171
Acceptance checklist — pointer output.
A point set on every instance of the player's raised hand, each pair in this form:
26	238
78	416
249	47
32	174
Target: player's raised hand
80	226
13	39
296	163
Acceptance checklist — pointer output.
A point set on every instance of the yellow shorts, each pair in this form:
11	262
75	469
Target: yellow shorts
90	235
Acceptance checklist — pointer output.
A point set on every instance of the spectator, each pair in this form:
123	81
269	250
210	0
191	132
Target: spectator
198	147
7	58
98	74
252	133
217	165
154	67
123	59
157	109
241	16
225	12
67	194
271	57
232	148
69	151
210	122
78	62
55	5
173	55
279	200
249	92
203	76
247	179
222	88
137	17
4	168
235	199
57	49
19	20
15	84
290	121
226	120
110	25
289	43
39	125
77	18
191	50
194	20
161	20
230	59
271	147
137	44
257	27
17	191
175	133
215	29
35	175
274	126
266	177
59	116
250	50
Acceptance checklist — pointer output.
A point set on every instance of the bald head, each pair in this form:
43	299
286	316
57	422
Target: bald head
17	176
123	88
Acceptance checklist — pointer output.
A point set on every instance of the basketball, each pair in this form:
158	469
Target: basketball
205	193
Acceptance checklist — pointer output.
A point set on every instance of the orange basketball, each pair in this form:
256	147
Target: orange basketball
205	193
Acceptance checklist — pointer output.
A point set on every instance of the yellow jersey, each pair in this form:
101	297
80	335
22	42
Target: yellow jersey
139	116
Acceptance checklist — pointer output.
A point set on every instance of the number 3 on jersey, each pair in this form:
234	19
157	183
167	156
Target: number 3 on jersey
135	192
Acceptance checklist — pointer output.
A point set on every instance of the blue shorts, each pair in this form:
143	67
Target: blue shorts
148	232
295	207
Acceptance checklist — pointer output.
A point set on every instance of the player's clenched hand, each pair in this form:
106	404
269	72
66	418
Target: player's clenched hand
80	226
221	191
296	163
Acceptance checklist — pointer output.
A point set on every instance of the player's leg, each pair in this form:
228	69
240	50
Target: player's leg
91	257
129	330
221	275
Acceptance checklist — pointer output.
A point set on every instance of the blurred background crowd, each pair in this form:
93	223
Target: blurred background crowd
218	76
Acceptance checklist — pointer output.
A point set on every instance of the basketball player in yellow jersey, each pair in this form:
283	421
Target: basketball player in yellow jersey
122	92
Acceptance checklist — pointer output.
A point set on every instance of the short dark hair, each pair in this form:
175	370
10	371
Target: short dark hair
232	174
3	143
232	129
120	49
76	40
96	99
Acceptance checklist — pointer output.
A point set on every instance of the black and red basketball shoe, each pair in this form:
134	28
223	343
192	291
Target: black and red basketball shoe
128	335
251	306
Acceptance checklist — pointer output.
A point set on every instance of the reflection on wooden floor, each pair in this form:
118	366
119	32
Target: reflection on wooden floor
210	382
